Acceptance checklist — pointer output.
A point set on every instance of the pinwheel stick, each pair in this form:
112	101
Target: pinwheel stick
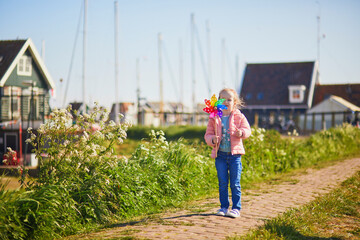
216	143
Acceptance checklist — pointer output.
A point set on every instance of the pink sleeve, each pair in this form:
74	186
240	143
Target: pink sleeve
210	132
245	127
242	124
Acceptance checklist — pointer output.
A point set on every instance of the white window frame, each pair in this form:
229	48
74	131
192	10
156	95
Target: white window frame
296	93
24	66
13	99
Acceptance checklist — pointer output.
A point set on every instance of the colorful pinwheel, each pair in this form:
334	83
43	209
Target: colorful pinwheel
214	106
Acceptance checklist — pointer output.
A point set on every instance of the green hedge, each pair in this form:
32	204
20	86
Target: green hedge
70	197
172	132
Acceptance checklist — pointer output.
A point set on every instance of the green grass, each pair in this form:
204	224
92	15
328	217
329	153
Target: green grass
333	216
150	176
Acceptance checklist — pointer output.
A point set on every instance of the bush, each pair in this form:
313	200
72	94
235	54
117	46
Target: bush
268	153
84	182
172	132
81	177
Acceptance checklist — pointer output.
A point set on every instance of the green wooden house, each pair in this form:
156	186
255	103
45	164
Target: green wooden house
25	89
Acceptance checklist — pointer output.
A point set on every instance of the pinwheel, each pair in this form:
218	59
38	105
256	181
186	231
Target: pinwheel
214	107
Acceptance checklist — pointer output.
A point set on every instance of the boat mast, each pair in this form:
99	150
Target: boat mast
193	67
84	57
161	80
209	54
116	64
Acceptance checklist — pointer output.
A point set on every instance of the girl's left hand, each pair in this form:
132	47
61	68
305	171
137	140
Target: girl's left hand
238	133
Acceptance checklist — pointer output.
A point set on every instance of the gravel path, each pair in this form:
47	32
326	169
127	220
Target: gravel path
258	205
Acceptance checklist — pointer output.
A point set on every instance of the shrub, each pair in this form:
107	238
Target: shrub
82	181
171	132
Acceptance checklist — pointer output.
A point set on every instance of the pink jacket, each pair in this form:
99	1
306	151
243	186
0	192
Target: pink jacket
237	121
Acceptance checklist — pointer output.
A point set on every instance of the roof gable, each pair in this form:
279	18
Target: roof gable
11	51
334	104
349	92
8	52
268	83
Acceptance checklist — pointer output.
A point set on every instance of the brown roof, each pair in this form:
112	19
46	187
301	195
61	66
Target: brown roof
349	92
8	52
267	83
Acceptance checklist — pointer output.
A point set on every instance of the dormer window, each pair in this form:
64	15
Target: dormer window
24	67
296	93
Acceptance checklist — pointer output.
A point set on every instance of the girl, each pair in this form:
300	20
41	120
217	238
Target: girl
233	127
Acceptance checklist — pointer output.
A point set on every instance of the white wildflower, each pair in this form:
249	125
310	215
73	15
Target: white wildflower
86	135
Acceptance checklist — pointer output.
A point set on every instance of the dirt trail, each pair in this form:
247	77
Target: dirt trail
258	205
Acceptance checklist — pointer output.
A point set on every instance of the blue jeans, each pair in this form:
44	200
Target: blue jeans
229	166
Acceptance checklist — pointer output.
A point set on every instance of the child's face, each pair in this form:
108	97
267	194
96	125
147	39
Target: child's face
229	102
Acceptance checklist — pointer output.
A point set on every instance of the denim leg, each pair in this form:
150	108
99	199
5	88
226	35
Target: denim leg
235	169
221	164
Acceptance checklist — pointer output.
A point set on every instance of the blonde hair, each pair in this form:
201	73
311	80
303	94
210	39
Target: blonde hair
239	102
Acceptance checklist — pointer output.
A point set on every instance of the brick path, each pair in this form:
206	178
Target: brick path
258	205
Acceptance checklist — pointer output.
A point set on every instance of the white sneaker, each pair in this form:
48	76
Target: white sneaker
222	212
234	213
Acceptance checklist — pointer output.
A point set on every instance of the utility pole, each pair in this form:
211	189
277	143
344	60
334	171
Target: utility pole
319	37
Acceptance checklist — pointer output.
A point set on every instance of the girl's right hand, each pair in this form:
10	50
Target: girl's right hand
214	139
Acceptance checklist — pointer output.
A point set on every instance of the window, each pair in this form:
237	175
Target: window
260	96
248	96
24	66
296	93
10	103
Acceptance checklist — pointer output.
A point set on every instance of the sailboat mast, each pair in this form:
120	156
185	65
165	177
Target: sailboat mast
193	67
223	62
181	75
161	80
209	54
116	64
237	77
84	57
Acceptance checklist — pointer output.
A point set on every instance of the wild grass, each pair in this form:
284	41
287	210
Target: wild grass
86	181
333	216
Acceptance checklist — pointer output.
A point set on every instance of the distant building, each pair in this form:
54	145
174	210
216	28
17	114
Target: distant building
334	104
349	92
277	94
127	109
25	86
275	91
149	114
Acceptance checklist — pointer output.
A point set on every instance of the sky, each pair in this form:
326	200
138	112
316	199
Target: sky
228	34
